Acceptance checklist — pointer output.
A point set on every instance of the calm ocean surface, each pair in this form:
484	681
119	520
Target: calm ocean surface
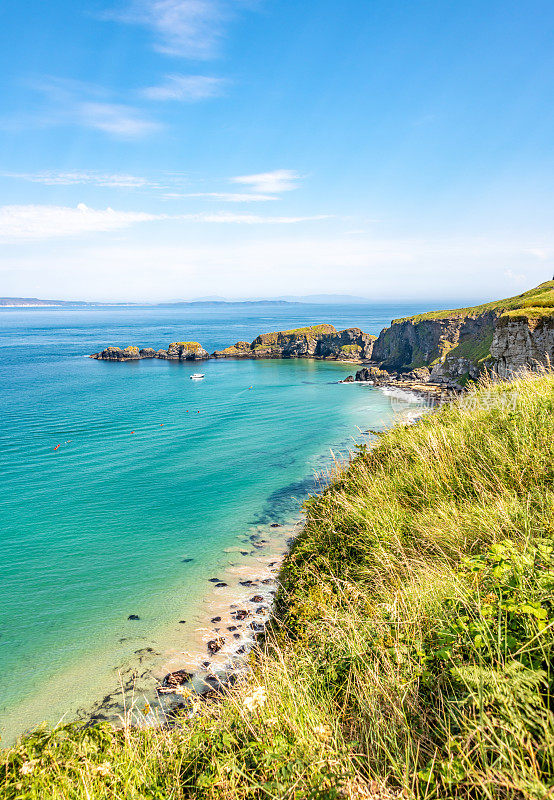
104	526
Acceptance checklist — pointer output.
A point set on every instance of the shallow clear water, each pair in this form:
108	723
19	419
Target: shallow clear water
152	469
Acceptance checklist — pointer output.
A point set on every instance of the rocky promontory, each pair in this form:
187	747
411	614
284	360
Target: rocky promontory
316	341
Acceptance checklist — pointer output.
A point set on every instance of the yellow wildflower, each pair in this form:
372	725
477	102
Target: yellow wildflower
255	700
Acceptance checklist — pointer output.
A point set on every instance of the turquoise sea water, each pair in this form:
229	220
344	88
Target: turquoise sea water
155	478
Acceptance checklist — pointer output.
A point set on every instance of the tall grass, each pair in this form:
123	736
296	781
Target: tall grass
412	653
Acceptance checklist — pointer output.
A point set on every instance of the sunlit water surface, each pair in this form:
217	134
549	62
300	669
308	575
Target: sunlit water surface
157	483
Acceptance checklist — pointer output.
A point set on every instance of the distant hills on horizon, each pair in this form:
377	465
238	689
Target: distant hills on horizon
35	302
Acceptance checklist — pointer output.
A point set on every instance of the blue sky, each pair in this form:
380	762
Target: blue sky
161	149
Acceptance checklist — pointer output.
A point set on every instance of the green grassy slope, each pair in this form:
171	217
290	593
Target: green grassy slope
540	296
414	654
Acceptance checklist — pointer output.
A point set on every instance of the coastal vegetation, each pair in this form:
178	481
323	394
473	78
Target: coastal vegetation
412	649
542	295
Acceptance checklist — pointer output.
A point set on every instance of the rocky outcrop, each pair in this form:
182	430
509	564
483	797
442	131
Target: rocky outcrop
372	375
118	354
185	351
521	341
418	382
177	351
449	345
317	341
459	345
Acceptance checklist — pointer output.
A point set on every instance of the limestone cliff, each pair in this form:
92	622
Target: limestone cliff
457	345
522	339
318	341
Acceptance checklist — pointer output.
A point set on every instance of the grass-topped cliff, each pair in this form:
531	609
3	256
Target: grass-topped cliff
458	344
541	296
414	651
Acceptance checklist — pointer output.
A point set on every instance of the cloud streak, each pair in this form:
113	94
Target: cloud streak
68	102
280	180
49	222
186	88
121	121
226	197
187	28
77	178
28	222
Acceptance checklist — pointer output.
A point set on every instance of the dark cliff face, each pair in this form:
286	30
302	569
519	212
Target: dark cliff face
461	347
501	335
415	343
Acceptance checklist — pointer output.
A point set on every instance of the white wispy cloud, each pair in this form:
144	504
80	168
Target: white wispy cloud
68	102
280	180
515	278
78	178
122	121
48	222
226	197
187	28
251	219
188	88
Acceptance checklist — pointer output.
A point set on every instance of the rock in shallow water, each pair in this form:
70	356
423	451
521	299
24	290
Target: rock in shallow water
176	678
215	645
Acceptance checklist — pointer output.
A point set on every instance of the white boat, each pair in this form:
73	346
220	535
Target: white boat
196	376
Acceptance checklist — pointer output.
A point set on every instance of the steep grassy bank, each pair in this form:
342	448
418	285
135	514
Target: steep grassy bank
414	651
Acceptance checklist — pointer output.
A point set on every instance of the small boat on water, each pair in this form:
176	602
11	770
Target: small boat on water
196	376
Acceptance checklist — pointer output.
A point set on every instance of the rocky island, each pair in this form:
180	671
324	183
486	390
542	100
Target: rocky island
176	351
316	341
